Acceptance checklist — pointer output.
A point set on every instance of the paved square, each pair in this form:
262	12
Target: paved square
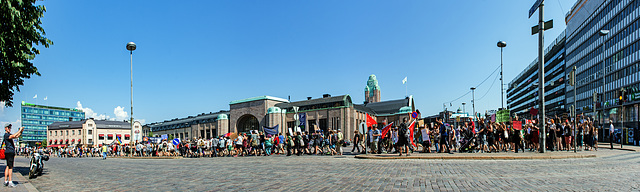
611	170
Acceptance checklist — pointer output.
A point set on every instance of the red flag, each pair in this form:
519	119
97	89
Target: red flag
370	121
386	129
411	132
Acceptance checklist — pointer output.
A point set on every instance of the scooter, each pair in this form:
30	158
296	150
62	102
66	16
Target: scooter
36	166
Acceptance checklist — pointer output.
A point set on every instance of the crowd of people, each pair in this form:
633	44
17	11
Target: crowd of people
438	137
486	137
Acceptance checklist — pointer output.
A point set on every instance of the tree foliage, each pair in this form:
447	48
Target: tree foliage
20	33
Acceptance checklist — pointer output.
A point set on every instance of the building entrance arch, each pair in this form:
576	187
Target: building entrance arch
247	122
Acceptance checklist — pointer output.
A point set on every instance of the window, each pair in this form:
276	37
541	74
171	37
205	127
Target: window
56	133
90	141
73	132
90	125
109	137
101	137
89	132
67	132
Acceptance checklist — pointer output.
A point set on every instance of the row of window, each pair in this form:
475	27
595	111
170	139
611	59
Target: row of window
617	19
73	132
588	27
49	118
632	27
53	112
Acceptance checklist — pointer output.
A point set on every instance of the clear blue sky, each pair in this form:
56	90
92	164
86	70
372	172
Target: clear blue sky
196	56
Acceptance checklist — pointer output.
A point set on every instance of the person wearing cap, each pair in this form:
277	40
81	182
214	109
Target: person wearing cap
10	153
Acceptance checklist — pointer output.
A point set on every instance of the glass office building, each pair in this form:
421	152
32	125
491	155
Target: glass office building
618	51
522	93
36	118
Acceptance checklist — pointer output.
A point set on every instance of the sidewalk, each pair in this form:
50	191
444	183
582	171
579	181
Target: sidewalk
22	182
482	156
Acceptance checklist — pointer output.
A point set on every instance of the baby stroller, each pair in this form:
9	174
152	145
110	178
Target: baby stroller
469	144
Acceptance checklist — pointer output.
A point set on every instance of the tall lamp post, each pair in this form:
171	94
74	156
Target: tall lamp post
473	101
463	110
604	74
131	46
501	44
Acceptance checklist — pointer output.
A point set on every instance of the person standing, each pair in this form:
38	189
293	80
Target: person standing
356	141
10	153
375	137
403	138
104	152
339	142
611	131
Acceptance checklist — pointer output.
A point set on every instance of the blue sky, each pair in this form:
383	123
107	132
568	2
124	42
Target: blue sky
196	56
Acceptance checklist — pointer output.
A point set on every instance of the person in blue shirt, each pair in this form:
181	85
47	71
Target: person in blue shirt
375	139
10	153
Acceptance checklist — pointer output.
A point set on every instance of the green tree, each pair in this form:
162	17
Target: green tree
150	134
20	33
44	143
170	137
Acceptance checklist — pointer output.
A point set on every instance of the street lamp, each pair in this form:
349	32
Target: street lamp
131	46
501	44
473	101
604	74
463	111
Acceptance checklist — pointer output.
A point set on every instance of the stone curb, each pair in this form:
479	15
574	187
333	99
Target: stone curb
27	184
474	157
616	147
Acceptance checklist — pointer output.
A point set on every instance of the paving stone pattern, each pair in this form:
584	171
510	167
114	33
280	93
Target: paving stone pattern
612	170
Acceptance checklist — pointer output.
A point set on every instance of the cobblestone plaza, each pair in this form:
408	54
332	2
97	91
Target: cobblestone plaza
611	170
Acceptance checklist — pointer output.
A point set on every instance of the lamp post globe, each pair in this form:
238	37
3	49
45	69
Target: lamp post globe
603	32
502	44
131	46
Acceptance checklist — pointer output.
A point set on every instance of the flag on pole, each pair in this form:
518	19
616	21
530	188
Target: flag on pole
45	98
411	132
386	129
404	80
370	121
36	96
118	140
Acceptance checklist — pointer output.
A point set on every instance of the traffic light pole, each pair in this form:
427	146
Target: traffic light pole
575	114
624	98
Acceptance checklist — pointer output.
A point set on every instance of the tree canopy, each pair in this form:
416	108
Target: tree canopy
19	35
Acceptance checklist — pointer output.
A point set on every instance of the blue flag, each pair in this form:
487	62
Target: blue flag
271	130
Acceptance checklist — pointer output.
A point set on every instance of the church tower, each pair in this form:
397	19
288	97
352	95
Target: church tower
372	90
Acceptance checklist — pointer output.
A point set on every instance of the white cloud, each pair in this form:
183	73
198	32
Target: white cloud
120	113
142	121
89	113
2	108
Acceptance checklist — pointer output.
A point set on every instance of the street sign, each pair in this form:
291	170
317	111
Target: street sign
547	25
414	114
535	7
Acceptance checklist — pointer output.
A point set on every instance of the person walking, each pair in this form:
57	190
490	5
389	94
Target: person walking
339	142
403	138
10	153
611	131
104	152
356	141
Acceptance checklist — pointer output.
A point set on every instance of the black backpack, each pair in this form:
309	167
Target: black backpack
403	130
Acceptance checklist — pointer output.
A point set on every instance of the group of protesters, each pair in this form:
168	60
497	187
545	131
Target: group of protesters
261	144
439	137
485	137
